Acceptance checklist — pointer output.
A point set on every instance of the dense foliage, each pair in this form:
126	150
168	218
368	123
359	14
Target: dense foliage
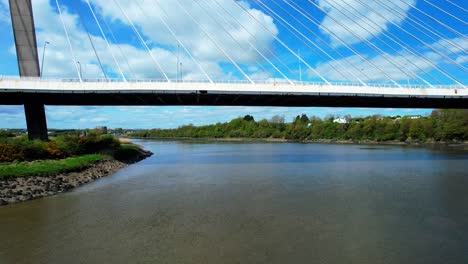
441	125
22	149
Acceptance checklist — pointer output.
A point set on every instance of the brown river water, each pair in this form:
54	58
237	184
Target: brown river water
254	203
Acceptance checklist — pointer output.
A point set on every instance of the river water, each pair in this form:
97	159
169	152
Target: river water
254	203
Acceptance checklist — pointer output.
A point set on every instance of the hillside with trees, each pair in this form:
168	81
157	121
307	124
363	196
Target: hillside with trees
441	125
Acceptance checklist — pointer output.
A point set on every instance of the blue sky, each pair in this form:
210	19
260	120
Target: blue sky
374	41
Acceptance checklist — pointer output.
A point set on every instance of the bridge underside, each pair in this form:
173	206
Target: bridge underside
228	99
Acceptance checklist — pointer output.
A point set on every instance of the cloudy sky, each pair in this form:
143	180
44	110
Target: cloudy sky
375	41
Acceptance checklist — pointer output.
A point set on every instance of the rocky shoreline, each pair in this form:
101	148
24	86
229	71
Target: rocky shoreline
29	188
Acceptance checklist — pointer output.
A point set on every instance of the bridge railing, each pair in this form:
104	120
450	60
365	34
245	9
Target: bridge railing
269	81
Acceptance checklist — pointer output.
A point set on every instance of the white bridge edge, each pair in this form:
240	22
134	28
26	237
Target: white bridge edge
57	86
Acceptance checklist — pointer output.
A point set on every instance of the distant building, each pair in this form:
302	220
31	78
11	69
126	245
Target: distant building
340	121
101	130
414	117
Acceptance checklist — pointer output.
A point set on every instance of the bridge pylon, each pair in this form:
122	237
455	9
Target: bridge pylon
28	63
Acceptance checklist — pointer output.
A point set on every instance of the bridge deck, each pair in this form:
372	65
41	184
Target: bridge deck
53	92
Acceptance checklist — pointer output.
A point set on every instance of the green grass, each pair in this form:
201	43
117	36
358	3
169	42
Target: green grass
48	167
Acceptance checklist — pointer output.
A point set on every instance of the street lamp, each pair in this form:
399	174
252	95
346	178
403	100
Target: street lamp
407	75
300	65
79	64
177	63
180	71
43	54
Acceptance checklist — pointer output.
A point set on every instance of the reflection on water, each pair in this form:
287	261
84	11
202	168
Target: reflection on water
254	203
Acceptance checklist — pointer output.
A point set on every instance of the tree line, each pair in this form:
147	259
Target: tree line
440	125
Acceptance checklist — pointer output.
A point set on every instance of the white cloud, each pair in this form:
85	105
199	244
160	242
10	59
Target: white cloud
367	72
59	63
94	120
353	16
454	45
403	66
462	59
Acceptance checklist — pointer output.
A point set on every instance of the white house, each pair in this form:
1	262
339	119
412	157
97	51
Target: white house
340	120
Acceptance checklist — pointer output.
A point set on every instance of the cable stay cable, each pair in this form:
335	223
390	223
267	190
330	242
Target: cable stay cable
214	42
142	41
273	13
233	38
270	53
122	54
175	37
311	19
230	35
282	43
408	47
365	20
251	45
445	12
395	40
427	27
179	41
300	36
255	38
107	41
68	40
421	41
448	59
459	7
323	41
370	44
339	39
432	29
349	30
77	9
435	20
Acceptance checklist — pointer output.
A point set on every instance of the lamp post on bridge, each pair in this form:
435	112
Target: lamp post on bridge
300	65
408	77
177	63
43	56
181	70
79	64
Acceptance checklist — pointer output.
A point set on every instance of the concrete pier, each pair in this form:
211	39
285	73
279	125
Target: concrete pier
28	63
36	121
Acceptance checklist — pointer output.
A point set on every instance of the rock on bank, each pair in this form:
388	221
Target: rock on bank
28	188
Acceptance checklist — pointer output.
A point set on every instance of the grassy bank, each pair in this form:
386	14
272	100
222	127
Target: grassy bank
20	157
49	167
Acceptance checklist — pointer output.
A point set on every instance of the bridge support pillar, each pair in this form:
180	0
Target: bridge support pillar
36	121
28	62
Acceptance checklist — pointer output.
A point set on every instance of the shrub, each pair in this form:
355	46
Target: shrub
126	152
6	134
53	150
9	153
22	149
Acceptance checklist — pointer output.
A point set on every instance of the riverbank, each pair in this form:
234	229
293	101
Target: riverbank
16	188
455	144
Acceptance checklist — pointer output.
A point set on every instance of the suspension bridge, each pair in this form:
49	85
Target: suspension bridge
433	86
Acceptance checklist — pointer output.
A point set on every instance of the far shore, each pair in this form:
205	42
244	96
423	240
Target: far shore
456	144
